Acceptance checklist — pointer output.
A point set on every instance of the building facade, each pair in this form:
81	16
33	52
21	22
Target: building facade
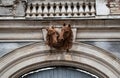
96	39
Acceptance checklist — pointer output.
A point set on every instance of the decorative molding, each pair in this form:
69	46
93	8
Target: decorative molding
83	30
114	6
61	9
37	55
12	8
18	34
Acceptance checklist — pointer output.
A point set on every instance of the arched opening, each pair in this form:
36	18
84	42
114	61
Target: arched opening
61	63
58	72
38	55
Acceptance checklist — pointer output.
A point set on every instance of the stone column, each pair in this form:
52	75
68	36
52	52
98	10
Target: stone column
81	9
69	10
51	11
57	10
39	10
87	10
92	11
63	11
45	11
34	11
75	10
28	11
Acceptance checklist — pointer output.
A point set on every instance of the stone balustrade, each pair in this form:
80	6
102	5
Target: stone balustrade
60	9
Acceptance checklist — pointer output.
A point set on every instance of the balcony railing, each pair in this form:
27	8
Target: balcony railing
60	9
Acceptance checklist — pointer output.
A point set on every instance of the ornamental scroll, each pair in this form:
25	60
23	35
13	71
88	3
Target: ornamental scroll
114	6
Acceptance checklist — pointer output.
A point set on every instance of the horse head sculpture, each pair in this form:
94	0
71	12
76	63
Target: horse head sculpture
52	36
62	40
66	36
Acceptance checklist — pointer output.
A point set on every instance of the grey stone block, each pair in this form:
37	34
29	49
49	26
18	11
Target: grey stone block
20	9
5	11
10	9
7	2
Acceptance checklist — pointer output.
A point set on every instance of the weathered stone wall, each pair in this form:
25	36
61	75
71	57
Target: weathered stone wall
38	55
10	9
7	47
25	37
110	46
29	31
17	8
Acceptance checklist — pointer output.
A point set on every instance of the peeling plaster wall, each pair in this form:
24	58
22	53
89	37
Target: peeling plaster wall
23	29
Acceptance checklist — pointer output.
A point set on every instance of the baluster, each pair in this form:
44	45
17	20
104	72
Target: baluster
75	10
81	11
45	10
57	10
28	11
69	10
39	10
92	9
51	11
87	9
34	10
63	11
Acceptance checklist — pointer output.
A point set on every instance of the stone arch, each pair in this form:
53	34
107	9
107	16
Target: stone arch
38	55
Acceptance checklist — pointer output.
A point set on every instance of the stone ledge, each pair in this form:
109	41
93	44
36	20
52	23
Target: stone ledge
99	17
